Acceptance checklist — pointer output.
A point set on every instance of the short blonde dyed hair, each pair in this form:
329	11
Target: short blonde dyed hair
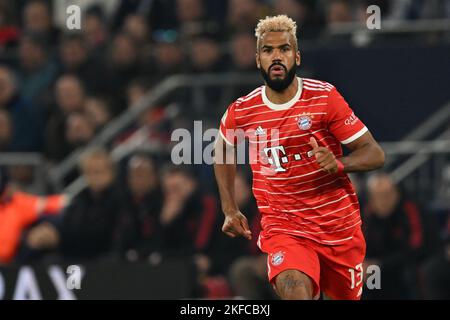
280	23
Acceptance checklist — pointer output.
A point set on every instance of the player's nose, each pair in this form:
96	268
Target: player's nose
276	56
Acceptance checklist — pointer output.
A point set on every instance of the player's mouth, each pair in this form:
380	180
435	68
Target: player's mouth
277	70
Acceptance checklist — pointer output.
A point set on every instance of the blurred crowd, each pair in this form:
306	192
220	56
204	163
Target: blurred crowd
59	88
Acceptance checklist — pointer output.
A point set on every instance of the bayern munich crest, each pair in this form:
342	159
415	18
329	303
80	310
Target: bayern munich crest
277	258
304	122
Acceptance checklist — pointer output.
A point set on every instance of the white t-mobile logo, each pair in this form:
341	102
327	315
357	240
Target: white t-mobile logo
275	158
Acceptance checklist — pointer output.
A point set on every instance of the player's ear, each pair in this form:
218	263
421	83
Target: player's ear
258	61
298	58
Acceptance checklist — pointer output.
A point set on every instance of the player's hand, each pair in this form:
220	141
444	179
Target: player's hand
324	157
236	224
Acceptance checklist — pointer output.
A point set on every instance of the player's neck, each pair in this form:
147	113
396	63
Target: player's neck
284	96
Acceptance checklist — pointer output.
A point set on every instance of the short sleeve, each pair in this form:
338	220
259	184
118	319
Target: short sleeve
342	121
229	131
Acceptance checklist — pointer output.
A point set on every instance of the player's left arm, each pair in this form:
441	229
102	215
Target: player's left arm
366	154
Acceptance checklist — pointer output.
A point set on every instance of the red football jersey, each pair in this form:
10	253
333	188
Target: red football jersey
294	195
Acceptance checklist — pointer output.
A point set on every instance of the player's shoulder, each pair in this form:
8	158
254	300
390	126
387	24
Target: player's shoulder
314	86
248	99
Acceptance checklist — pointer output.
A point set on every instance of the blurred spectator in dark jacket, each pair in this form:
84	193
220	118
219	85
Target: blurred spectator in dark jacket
96	30
86	228
70	97
37	17
397	235
37	70
124	65
181	209
26	119
187	220
89	222
76	58
139	227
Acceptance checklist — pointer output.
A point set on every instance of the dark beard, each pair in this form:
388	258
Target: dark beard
279	85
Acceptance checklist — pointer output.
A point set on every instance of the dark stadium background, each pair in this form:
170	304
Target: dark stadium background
139	69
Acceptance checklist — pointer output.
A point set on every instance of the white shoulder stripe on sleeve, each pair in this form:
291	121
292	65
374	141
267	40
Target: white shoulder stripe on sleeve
355	136
225	139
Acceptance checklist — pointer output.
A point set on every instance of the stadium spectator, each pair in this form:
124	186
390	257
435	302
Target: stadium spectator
338	12
37	18
89	222
301	11
168	57
243	58
180	211
76	58
243	52
244	15
96	30
19	210
396	235
26	119
206	57
124	65
137	28
79	130
98	110
138	236
153	121
23	177
37	69
193	19
70	97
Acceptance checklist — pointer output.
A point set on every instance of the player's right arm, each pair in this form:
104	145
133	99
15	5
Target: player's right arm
235	223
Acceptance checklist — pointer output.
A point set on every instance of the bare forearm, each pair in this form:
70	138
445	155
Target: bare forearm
368	157
225	174
225	171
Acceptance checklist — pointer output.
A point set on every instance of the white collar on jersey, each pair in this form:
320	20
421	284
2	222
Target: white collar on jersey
285	105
